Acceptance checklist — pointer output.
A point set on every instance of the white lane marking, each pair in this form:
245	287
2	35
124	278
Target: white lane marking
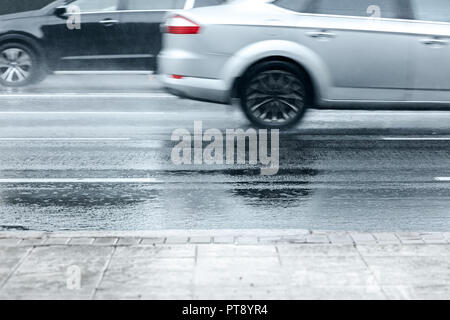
86	95
89	112
104	72
82	180
65	139
416	138
443	179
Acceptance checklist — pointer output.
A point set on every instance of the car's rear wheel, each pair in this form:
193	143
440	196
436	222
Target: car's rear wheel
274	94
18	65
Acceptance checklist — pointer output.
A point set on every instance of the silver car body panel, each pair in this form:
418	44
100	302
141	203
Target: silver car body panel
349	59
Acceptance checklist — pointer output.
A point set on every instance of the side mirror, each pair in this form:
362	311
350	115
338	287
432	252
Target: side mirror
61	12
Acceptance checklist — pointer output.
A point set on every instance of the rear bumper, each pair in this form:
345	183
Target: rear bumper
213	90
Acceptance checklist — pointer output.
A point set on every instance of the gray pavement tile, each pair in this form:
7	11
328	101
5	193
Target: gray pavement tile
45	272
340	238
50	286
224	240
336	293
9	258
81	241
434	238
410	237
147	293
143	270
412	241
56	241
410	270
243	292
435	235
238	271
32	242
177	240
363	238
300	232
236	251
200	240
152	241
112	295
154	252
340	278
107	241
22	234
269	240
325	271
409	250
317	238
324	265
386	238
9	242
153	273
294	239
58	259
316	250
246	240
128	241
425	292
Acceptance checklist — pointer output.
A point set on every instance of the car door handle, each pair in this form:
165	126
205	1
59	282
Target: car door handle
109	22
321	34
434	42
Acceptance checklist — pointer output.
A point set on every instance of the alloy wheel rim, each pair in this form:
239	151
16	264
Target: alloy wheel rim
275	97
15	65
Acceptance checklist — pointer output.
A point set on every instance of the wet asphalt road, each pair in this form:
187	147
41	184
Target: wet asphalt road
339	170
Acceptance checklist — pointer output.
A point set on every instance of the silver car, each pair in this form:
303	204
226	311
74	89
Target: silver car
280	57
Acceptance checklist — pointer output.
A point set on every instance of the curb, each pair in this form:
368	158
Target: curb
205	237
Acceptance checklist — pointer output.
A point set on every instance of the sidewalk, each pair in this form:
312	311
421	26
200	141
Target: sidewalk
252	264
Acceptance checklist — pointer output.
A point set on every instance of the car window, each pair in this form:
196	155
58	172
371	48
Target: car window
431	10
359	8
155	4
95	5
207	3
14	6
294	5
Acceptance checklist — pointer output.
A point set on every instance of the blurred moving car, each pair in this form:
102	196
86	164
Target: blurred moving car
280	57
112	35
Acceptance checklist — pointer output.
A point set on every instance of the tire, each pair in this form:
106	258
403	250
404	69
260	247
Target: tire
274	94
19	65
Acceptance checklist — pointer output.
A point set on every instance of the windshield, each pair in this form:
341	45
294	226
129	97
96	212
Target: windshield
15	6
294	5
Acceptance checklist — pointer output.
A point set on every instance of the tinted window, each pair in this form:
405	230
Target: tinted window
14	6
96	5
360	8
294	5
155	4
432	10
207	3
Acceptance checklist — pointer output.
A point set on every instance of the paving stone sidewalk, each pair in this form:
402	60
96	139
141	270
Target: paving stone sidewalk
224	264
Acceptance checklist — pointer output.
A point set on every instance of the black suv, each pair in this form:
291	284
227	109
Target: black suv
97	35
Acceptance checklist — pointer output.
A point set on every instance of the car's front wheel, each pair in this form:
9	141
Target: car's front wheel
18	65
274	94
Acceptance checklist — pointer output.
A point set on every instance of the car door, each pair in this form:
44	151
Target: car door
431	51
141	21
95	44
362	44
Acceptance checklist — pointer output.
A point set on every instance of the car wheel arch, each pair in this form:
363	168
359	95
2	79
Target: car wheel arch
28	41
278	50
310	82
